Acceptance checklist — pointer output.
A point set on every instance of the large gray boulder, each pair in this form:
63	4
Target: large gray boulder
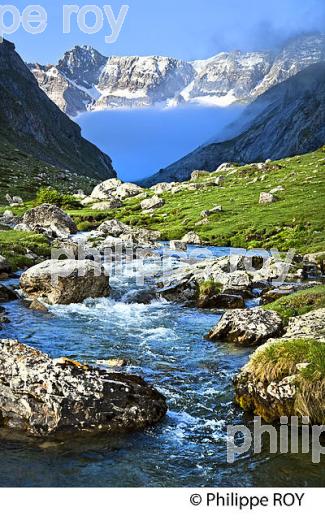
114	228
267	198
221	301
272	384
44	396
163	187
248	328
50	219
128	189
65	281
192	238
106	205
153	203
227	274
226	166
105	189
316	258
128	234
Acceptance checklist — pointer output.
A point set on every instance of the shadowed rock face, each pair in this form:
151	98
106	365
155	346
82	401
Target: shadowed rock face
33	123
83	65
7	294
4	265
65	281
44	396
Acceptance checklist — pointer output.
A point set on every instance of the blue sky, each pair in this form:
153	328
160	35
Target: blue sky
188	29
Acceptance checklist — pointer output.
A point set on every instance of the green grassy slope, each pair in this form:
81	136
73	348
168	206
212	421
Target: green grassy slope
31	122
299	303
21	174
16	246
296	220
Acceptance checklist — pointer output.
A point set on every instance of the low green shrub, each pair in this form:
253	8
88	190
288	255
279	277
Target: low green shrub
48	195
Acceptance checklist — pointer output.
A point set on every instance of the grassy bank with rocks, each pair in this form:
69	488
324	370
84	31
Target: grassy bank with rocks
299	303
295	218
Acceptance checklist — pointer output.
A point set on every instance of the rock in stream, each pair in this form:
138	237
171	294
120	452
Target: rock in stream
44	396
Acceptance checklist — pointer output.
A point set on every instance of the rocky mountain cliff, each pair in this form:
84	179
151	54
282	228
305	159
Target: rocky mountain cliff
298	54
287	120
233	76
141	81
82	65
31	122
85	80
228	77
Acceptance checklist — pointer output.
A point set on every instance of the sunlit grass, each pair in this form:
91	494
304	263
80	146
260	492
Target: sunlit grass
299	303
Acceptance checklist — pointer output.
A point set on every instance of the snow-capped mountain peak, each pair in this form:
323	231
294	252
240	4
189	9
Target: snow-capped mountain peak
142	81
85	80
83	65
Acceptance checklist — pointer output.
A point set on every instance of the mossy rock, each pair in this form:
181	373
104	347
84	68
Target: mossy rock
284	377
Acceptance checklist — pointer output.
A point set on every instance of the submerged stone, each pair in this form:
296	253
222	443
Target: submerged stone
7	294
4	266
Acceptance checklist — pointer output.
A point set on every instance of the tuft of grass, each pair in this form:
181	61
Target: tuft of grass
279	359
87	225
206	290
299	303
209	288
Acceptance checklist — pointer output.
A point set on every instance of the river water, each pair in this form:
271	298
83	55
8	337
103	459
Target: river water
163	342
